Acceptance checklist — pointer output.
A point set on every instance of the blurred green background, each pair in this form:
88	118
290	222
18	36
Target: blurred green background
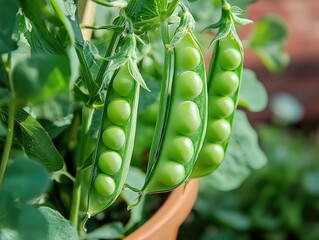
280	200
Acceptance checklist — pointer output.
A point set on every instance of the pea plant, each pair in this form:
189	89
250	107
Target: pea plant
87	126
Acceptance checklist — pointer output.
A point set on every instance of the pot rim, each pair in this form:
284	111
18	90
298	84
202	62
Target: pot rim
171	214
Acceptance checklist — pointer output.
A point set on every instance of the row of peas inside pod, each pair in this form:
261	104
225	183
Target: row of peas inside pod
223	90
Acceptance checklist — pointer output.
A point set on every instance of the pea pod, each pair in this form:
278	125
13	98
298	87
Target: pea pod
224	79
115	143
182	134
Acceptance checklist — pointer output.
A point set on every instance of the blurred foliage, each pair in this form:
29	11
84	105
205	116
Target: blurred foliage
267	40
286	108
279	201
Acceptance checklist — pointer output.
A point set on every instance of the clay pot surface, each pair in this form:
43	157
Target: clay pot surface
165	223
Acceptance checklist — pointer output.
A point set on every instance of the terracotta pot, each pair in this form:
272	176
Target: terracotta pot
165	223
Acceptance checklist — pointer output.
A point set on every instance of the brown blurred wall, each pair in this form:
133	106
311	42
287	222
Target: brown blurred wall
301	78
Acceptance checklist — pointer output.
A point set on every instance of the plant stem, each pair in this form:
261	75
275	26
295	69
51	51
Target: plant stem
8	143
11	112
164	96
76	197
87	115
171	8
100	76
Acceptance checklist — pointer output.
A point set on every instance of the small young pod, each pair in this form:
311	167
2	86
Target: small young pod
183	133
223	89
115	141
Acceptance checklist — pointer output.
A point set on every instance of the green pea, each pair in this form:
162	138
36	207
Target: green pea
225	83
218	130
110	162
211	155
113	154
113	138
229	59
224	80
180	149
170	173
187	118
104	185
182	118
221	107
190	84
123	85
119	111
188	58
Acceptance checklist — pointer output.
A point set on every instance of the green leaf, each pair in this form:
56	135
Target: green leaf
8	234
144	15
8	12
135	178
223	31
59	228
253	94
40	77
187	24
36	141
8	211
61	12
286	108
5	96
55	128
49	18
217	235
135	73
233	219
26	179
57	109
310	182
267	41
38	44
20	221
92	57
112	230
72	13
31	224
3	129
52	29
243	155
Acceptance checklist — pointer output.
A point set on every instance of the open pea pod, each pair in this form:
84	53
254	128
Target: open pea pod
115	142
178	139
224	80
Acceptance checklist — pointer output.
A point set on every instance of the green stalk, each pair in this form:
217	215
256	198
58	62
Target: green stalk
171	8
8	143
85	69
100	76
11	112
87	114
164	98
76	197
162	7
